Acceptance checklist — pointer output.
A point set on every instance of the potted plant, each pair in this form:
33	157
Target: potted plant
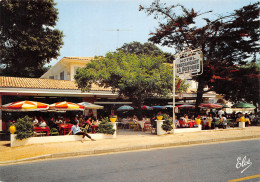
112	118
105	127
167	123
159	116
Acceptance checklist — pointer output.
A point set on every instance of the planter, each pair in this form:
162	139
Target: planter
159	117
12	129
56	139
113	119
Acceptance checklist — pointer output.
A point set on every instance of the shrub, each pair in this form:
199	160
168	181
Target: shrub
105	127
24	127
167	124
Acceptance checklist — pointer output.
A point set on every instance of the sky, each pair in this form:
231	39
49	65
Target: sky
96	27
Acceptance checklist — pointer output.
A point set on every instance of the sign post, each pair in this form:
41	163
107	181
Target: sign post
188	63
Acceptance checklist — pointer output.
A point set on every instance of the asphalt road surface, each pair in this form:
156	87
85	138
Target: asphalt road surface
213	162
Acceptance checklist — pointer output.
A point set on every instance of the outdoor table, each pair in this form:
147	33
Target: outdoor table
141	123
65	128
42	129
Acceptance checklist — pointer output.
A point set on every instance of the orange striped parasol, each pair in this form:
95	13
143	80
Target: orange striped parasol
66	106
25	106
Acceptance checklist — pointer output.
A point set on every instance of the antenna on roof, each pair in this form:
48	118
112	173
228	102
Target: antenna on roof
118	34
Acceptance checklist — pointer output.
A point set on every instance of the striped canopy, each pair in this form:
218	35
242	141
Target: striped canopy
66	106
25	106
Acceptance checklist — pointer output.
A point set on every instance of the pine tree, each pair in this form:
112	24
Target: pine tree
28	39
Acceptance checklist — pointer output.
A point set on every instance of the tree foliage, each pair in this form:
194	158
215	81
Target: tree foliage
28	39
225	41
146	48
134	76
239	83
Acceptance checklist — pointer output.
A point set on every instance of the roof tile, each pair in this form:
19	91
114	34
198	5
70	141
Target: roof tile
39	83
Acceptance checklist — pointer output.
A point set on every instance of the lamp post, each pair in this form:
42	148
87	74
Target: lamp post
173	96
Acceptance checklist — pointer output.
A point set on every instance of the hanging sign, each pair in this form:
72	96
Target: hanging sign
189	63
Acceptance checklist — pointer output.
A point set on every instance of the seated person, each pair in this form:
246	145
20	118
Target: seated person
89	123
35	121
186	120
81	121
52	123
58	121
135	118
77	131
177	123
41	120
43	124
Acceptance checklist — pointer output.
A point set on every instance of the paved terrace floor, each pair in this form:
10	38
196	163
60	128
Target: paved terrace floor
125	139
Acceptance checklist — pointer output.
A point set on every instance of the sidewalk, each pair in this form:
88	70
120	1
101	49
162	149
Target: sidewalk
125	141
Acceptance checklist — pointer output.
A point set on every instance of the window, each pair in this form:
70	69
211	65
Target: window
51	77
62	75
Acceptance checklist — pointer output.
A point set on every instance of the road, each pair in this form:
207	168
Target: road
213	162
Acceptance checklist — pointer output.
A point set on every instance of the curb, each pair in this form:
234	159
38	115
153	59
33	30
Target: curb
123	149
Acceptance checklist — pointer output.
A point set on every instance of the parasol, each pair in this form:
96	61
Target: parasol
25	106
211	106
158	107
88	105
168	106
243	105
125	108
66	106
146	107
186	106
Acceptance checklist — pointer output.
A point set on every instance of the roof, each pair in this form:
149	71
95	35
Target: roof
69	60
77	59
40	83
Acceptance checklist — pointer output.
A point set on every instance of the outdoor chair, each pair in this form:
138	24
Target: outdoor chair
132	125
154	130
147	126
54	131
36	134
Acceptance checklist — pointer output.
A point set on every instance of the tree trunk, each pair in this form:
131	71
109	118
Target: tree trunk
255	104
199	98
139	105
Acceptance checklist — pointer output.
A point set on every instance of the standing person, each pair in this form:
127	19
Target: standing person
220	113
209	119
77	131
223	122
251	117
